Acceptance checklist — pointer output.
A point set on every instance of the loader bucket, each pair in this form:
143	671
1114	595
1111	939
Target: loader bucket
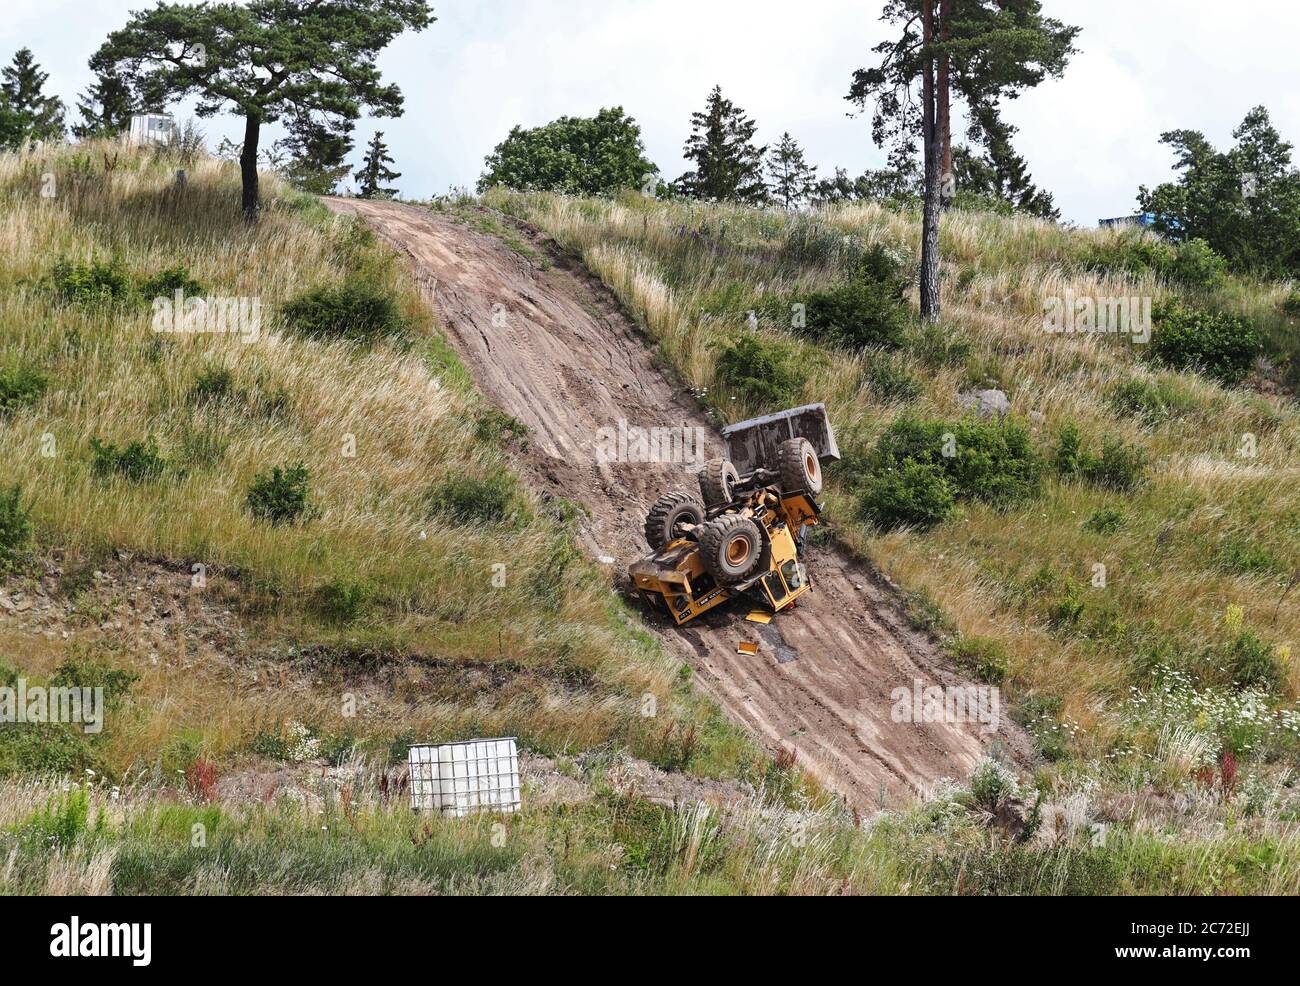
752	444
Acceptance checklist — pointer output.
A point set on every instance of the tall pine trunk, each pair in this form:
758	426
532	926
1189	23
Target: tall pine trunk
248	166
933	150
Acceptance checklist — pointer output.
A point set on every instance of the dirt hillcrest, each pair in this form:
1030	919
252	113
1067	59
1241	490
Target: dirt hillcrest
550	345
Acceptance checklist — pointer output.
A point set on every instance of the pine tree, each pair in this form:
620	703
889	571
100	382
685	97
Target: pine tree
28	113
727	165
315	154
106	107
375	170
793	179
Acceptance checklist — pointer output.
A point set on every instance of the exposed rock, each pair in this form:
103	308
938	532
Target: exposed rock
985	403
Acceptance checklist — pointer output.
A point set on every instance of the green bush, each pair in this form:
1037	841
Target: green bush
494	426
1151	401
1291	304
342	600
938	347
1134	255
1252	662
1120	467
96	283
15	526
20	386
136	462
1106	520
768	371
913	494
215	383
1197	266
1219	345
859	314
356	311
983	657
1242	556
466	500
986	461
280	494
81	670
165	283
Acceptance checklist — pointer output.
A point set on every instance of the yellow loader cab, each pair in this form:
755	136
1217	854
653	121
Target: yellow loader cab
743	535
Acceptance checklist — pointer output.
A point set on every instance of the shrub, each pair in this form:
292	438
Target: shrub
356	311
1152	401
96	283
214	384
1219	345
81	670
768	371
1241	556
983	657
992	463
494	425
280	495
913	494
1252	662
858	314
1120	467
1134	255
466	500
1069	451
342	600
1197	266
15	526
1291	304
1106	520
136	462
165	283
20	386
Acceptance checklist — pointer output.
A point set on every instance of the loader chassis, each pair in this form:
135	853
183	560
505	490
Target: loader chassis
745	537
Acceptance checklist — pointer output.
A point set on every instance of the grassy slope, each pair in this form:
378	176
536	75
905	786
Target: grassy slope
573	669
574	666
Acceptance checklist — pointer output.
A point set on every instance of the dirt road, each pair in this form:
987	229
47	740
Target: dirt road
553	348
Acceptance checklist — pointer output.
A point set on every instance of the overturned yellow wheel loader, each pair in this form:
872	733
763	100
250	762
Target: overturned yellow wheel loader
743	535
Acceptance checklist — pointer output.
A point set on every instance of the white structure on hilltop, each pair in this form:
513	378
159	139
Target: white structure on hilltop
150	128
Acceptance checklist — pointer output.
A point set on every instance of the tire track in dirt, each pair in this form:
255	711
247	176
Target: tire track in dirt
554	348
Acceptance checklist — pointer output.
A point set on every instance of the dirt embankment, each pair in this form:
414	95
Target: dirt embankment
550	345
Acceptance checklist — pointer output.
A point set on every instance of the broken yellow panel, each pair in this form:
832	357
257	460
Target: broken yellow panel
747	647
759	616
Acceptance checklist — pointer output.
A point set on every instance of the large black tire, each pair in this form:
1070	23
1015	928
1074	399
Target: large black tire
718	481
667	519
730	547
796	461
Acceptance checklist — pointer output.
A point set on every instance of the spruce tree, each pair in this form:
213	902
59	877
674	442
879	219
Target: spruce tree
374	171
106	107
28	114
728	167
793	179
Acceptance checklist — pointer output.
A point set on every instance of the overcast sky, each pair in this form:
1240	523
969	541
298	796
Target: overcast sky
1144	66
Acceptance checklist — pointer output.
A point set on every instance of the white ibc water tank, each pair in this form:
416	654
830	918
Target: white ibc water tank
466	777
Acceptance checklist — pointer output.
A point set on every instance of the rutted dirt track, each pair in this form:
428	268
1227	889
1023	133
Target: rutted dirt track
553	348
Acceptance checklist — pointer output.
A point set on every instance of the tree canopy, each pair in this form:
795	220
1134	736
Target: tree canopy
1244	202
575	155
26	112
264	59
793	179
727	164
374	171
